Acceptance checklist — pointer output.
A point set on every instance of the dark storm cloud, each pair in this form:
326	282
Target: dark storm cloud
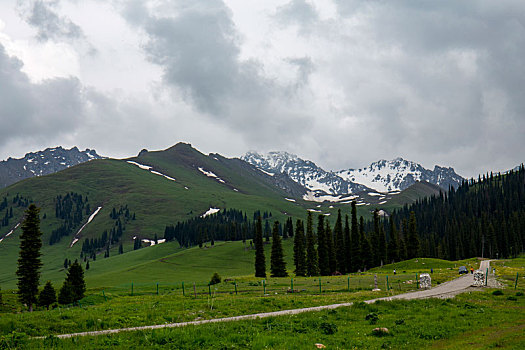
436	81
36	111
42	15
198	47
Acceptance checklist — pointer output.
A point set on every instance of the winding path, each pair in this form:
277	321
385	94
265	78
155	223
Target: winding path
447	289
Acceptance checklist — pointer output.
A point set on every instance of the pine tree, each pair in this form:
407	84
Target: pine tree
322	247
413	239
393	243
312	264
120	249
355	238
340	244
299	249
332	258
29	263
382	245
366	251
277	263
47	296
348	247
260	264
65	295
87	265
75	278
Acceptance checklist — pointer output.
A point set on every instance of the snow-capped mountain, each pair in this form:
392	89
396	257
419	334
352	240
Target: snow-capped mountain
399	174
304	172
41	163
382	176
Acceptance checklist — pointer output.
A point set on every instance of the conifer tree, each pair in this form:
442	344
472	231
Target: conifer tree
413	239
393	243
29	263
366	251
332	257
260	263
75	278
355	238
299	249
382	244
65	295
348	246
340	244
290	228
374	241
47	296
322	247
120	249
277	263
312	263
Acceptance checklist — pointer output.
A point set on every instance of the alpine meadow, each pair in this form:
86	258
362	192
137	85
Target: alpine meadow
288	174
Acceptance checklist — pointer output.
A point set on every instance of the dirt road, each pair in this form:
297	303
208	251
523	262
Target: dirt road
447	289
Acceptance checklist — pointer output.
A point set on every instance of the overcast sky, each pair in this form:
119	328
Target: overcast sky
342	83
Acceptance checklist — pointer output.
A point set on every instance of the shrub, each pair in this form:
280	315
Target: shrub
497	292
512	298
215	279
372	318
400	321
328	328
519	294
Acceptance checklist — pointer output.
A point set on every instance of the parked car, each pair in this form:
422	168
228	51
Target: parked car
462	270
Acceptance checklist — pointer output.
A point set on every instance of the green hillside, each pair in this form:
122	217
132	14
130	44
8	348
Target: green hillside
154	189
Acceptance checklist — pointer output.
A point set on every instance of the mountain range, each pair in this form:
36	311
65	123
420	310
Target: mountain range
381	176
48	161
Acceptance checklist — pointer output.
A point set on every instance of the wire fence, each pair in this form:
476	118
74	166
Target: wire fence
271	286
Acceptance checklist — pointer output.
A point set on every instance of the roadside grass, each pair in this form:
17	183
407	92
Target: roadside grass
508	269
470	320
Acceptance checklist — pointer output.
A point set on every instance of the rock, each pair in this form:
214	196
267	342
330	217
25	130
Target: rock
320	346
380	331
479	278
425	282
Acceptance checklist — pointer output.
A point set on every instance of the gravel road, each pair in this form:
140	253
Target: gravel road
445	290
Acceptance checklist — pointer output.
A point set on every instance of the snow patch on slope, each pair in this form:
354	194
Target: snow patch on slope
210	212
92	216
9	233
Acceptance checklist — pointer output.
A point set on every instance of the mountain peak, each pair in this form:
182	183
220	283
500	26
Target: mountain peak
41	163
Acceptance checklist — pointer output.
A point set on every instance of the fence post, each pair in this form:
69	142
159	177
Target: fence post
291	283
235	287
209	289
399	284
486	276
194	290
131	288
183	293
516	283
320	290
417	280
104	294
157	288
348	283
387	284
264	286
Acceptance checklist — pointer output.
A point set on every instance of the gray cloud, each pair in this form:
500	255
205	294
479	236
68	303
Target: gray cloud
34	111
198	48
42	15
298	12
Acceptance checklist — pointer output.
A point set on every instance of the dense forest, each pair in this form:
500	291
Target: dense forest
480	218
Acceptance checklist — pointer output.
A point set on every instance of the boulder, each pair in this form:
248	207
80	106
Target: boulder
425	282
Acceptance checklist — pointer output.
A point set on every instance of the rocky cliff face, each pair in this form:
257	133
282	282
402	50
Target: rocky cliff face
40	163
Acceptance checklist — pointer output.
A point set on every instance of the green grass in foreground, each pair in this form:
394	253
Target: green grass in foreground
472	320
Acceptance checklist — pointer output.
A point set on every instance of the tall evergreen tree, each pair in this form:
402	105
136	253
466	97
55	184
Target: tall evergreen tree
382	245
75	278
366	250
393	243
322	247
278	265
340	244
29	263
260	261
348	246
355	237
47	296
413	238
332	256
312	264
299	250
